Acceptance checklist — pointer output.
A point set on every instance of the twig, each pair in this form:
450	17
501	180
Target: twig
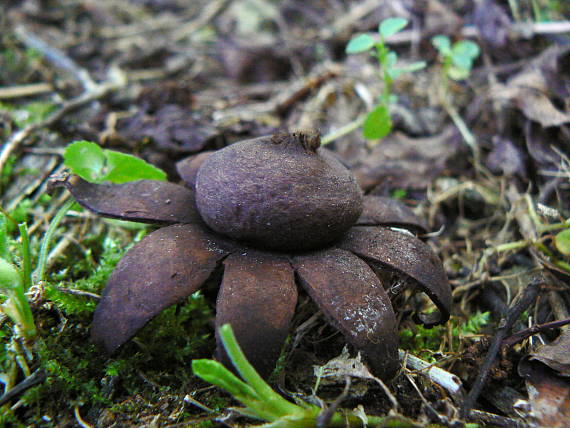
448	381
519	304
55	56
209	13
82	293
325	416
521	30
8	92
429	408
99	91
496	420
35	378
519	336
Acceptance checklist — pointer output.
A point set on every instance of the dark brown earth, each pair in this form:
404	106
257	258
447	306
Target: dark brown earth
483	161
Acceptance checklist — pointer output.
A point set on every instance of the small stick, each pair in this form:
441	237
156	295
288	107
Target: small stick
519	336
99	91
326	414
82	293
521	30
7	92
55	56
519	304
448	381
35	378
492	419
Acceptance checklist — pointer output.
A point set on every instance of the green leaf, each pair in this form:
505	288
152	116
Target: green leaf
457	73
562	241
122	168
215	373
361	43
442	44
4	250
85	159
391	26
92	163
465	48
463	62
10	279
378	123
391	59
415	66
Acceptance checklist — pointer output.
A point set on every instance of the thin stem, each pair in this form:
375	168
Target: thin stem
468	137
42	260
344	130
515	245
26	257
554	226
383	60
249	374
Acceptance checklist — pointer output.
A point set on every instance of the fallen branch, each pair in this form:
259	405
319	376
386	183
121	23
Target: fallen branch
97	92
523	30
517	307
527	332
448	381
9	92
34	379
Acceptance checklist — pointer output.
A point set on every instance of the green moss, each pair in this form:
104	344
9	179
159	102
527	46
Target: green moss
424	341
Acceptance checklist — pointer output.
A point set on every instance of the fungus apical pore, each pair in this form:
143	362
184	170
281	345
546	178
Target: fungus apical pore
280	192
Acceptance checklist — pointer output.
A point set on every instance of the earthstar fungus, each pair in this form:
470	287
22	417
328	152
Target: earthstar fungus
275	212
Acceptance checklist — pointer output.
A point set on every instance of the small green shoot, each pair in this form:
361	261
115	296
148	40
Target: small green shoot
457	58
97	165
15	282
94	164
263	403
562	242
378	122
457	62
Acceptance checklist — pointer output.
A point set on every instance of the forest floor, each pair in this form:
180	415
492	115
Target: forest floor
475	127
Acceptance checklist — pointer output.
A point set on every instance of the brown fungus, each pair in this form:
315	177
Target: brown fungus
278	193
284	213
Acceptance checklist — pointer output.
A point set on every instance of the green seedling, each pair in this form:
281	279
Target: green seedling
458	58
562	242
15	282
457	62
96	165
263	403
378	123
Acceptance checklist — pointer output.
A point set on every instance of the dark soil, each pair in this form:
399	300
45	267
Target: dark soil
485	160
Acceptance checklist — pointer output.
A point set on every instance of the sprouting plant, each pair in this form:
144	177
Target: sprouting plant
458	58
92	163
378	123
263	403
457	62
96	165
15	281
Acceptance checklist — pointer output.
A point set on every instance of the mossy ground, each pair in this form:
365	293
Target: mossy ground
191	88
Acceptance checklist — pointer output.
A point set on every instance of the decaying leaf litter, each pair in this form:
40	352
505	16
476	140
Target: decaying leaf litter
164	80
